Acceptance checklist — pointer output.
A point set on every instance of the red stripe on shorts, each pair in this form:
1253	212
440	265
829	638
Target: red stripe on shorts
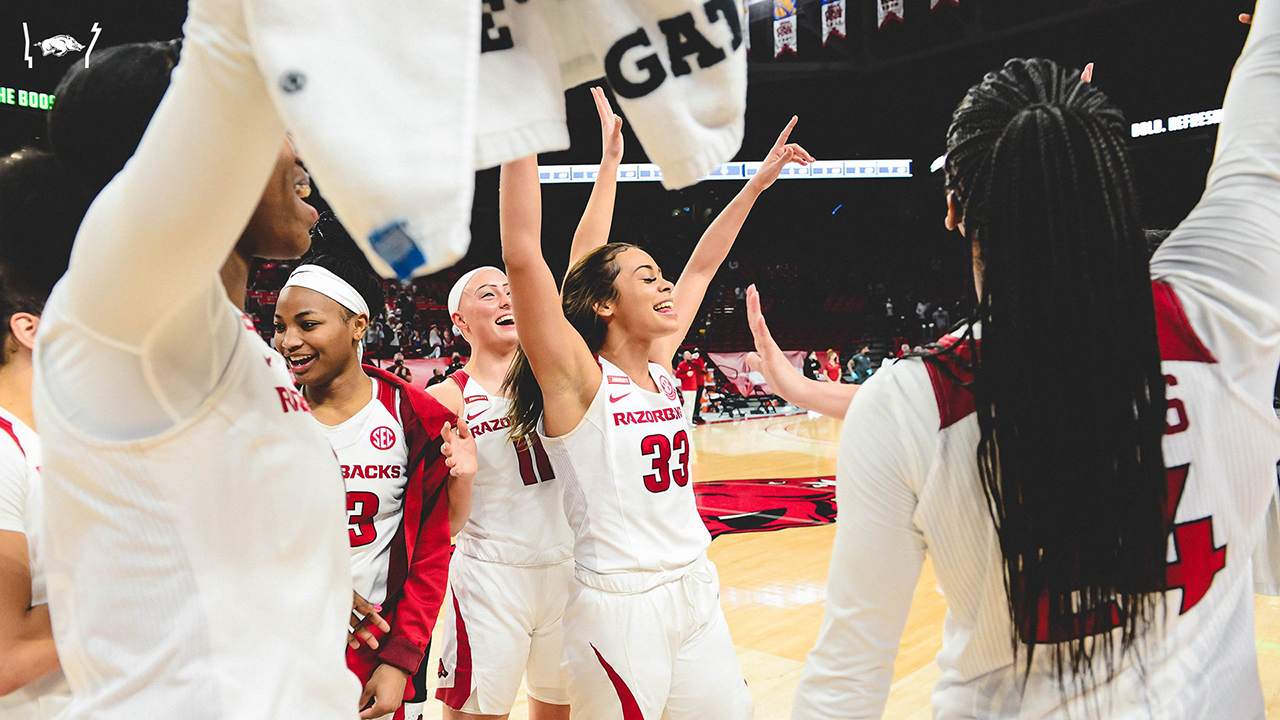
630	708
457	696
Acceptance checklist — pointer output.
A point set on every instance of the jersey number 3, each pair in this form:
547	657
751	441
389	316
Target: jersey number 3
362	507
662	449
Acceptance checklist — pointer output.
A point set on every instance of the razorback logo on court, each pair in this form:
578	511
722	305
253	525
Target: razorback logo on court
747	506
382	438
371	472
647	416
667	388
489	426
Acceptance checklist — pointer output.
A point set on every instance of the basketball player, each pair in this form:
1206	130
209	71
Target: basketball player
186	486
386	434
510	576
32	685
644	633
1092	535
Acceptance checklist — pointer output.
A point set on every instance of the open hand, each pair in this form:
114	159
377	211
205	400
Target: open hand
610	128
779	155
459	450
768	359
384	692
364	615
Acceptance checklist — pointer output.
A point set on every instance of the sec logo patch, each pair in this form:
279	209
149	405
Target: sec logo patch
382	438
667	388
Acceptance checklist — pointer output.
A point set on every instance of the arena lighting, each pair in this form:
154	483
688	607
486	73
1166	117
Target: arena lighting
820	170
1176	123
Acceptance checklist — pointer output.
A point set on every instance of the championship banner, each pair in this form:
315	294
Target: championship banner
933	4
784	28
889	10
832	20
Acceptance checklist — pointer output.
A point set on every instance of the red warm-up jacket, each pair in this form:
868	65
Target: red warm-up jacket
419	566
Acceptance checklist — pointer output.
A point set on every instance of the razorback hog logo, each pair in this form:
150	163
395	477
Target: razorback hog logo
382	438
745	506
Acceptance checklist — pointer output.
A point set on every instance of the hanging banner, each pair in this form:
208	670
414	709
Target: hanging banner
933	4
832	20
889	10
784	28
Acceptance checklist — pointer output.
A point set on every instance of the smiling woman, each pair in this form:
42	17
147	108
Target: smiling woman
385	434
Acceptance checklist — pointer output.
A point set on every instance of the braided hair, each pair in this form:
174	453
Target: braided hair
1070	461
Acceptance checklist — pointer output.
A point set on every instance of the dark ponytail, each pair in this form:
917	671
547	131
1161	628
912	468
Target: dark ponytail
1070	460
586	285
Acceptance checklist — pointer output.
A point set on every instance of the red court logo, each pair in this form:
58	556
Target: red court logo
667	388
382	438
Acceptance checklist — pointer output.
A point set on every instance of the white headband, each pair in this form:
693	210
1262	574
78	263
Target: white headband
455	295
325	282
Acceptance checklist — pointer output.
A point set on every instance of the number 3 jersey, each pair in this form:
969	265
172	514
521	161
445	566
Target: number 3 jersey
516	512
625	474
371	448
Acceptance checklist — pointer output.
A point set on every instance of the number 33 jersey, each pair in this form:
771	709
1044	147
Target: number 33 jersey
516	513
371	448
625	474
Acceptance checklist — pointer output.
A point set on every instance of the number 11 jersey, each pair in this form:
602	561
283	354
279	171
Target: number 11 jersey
516	514
625	471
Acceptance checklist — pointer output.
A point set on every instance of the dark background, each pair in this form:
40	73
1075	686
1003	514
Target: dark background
878	94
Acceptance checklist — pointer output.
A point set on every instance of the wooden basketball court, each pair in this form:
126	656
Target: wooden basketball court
773	584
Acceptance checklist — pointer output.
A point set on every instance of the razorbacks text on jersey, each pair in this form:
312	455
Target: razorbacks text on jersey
517	517
627	495
374	458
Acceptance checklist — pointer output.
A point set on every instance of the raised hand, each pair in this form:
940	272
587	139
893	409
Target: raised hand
779	155
360	625
768	359
459	450
610	128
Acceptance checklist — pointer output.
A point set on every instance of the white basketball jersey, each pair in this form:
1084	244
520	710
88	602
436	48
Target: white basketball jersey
178	544
21	503
517	513
1221	451
374	458
626	482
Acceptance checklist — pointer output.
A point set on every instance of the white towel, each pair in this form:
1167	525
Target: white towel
381	100
688	116
521	97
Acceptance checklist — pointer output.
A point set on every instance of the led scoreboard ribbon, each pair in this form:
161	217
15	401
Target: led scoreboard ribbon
820	170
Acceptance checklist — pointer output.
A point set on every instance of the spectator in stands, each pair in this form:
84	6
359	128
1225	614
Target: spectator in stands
400	370
860	365
832	367
437	377
941	321
455	364
448	343
433	341
812	368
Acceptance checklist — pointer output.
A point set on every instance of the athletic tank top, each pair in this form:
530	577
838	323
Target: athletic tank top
626	482
517	514
374	457
165	557
21	501
1220	450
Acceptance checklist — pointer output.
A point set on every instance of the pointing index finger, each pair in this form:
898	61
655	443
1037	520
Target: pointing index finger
786	132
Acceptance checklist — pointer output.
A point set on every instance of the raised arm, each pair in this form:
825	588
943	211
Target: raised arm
597	219
562	363
1224	259
830	399
716	242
